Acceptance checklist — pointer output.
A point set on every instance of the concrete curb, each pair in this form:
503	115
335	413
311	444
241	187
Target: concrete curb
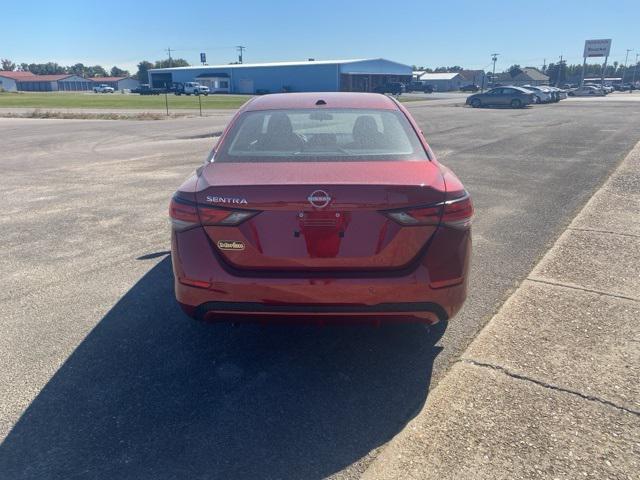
549	388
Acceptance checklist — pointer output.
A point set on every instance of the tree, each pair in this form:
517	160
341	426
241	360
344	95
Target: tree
49	68
454	69
77	69
118	72
8	65
143	68
514	70
96	71
174	62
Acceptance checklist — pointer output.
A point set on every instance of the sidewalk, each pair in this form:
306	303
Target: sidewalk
551	387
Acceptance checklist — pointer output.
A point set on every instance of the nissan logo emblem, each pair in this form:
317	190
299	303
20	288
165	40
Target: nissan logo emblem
319	199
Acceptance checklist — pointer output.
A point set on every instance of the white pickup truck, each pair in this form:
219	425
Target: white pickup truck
103	88
191	88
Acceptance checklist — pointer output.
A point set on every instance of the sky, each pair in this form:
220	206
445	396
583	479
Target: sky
423	33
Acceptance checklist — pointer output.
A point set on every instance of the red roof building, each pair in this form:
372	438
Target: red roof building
65	82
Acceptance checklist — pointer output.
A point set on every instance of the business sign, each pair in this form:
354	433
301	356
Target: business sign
597	48
203	58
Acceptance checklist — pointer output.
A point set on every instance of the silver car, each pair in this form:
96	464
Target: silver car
587	91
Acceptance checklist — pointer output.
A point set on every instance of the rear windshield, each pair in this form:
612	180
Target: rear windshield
322	135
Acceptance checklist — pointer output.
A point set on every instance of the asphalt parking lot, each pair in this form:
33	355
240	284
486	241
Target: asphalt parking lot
101	376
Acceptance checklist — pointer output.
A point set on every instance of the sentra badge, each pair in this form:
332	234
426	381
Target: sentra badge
230	245
226	200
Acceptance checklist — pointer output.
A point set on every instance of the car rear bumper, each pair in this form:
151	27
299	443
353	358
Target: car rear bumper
206	288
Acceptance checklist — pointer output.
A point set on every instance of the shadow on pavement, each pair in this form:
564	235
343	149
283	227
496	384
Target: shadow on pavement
152	394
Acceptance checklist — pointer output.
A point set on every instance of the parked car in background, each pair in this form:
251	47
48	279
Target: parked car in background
190	88
554	92
324	205
625	87
586	91
540	95
146	89
608	88
418	86
470	88
598	86
514	97
394	88
103	88
560	93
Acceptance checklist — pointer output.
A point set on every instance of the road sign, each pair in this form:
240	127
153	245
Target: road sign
597	48
203	58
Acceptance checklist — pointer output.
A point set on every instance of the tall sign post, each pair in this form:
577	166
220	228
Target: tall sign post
596	48
203	58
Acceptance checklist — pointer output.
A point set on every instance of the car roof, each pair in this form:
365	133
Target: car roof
520	89
276	101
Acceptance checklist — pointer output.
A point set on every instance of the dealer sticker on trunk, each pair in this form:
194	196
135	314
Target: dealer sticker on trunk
230	245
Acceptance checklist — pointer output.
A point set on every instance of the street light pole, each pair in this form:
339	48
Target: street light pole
494	58
635	67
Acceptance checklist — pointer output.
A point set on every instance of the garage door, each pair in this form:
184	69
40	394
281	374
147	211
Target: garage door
245	85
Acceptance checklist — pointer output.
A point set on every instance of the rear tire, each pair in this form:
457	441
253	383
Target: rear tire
476	103
515	103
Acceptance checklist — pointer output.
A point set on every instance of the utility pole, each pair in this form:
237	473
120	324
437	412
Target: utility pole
168	50
494	58
635	67
560	66
240	49
584	68
604	69
626	58
544	65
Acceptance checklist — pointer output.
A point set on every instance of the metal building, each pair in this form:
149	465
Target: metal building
441	82
117	83
360	75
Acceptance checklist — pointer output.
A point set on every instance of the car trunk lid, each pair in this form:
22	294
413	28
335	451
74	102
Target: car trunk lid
320	215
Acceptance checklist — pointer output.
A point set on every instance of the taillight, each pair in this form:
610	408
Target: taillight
417	216
223	216
183	214
456	213
186	214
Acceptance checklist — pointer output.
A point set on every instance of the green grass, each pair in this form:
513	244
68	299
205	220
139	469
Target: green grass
403	99
116	101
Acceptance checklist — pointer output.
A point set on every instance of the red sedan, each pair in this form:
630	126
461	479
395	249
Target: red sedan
324	205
